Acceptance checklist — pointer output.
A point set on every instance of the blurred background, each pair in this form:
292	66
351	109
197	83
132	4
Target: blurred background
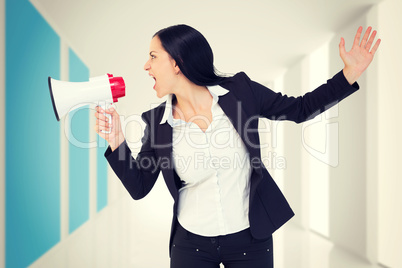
62	206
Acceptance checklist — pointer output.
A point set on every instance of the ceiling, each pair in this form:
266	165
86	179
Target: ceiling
260	37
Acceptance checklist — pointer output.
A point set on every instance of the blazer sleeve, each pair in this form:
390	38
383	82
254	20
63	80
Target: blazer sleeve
276	106
137	175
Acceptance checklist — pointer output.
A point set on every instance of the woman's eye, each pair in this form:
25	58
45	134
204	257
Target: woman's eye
152	57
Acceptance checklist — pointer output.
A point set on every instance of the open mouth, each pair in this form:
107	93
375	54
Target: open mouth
153	78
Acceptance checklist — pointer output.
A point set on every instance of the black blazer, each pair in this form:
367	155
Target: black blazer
245	102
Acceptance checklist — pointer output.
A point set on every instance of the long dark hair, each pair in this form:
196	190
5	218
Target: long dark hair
192	53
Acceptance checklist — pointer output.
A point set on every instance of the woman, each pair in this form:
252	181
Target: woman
204	140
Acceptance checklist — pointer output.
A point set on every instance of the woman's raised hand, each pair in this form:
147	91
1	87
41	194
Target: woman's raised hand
360	56
115	137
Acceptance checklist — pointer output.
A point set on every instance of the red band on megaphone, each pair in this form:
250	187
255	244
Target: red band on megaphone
118	87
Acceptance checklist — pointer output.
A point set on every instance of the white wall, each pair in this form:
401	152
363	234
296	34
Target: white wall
389	134
372	143
347	184
318	154
325	182
355	203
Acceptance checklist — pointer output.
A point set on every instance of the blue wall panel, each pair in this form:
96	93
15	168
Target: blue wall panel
32	136
101	174
78	152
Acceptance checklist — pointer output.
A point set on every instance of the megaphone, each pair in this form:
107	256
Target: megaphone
102	90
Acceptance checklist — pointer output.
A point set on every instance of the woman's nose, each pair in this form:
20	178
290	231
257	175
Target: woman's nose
147	66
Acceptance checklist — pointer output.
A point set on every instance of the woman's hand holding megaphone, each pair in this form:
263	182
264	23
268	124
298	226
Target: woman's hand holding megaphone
115	137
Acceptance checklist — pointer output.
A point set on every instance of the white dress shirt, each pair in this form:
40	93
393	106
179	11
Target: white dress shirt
215	169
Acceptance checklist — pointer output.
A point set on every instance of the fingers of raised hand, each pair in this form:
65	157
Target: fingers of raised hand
370	41
342	49
365	37
357	36
367	44
375	47
367	40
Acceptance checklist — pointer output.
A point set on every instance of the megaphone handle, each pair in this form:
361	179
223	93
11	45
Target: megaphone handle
106	106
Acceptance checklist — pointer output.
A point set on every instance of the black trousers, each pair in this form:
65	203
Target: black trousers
239	250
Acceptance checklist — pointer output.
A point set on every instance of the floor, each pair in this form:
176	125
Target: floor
113	240
295	247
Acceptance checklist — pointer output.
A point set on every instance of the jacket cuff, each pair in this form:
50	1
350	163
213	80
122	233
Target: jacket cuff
110	155
340	78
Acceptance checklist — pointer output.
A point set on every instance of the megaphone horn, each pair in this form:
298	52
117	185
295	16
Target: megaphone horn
100	90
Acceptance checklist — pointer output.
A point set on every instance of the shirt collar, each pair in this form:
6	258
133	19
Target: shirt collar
216	92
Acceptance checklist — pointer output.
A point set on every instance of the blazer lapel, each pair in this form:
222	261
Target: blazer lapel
164	150
233	109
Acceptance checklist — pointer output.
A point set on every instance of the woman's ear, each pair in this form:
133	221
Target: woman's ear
176	68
